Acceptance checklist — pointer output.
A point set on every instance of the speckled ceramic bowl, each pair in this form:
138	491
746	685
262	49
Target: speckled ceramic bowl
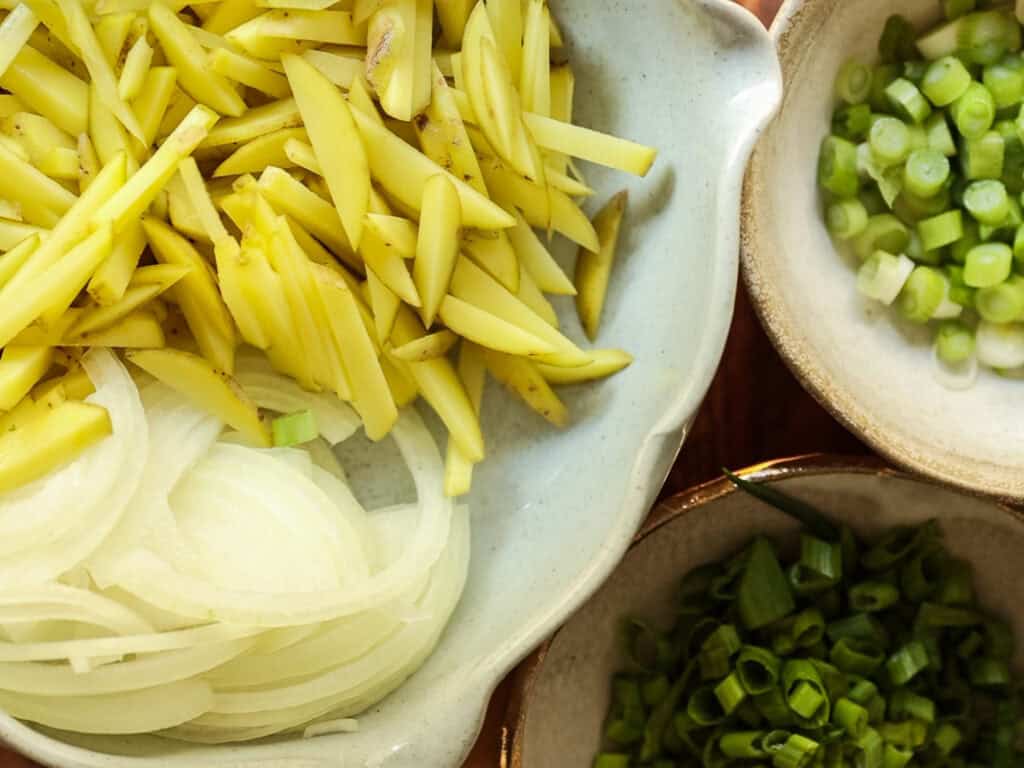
872	371
566	696
554	511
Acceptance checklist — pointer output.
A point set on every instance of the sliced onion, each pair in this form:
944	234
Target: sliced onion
57	602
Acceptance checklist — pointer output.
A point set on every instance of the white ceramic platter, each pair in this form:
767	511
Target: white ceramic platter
554	511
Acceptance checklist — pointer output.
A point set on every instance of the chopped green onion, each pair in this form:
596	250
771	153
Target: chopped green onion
907	662
907	101
987	201
925	172
1006	84
1002	303
974	112
805	692
947	738
922	294
871	596
798	752
870	749
988	264
986	672
764	595
938	134
851	717
941	230
954	342
837	167
945	81
883	276
853	84
852	122
907	705
909	733
730	693
983	157
923	573
896	757
884	232
294	429
854	656
846	218
704	708
758	669
889	140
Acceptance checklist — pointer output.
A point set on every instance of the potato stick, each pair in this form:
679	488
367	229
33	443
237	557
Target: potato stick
390	41
594	146
230	14
299	5
104	7
89	162
537	260
422	76
371	392
427	347
384	259
535	77
15	30
112	31
473	285
443	136
22	183
261	152
340	70
513	191
563	90
108	135
490	331
48	89
13	233
458	469
210	40
16	147
440	387
188	58
60	163
495	126
336	142
83	37
195	187
55	438
559	180
111	279
207	387
604	363
300	154
503	101
73	385
181	213
41	335
164	275
403	173
523	378
14	257
384	303
593	267
10	105
138	330
316	26
133	75
248	71
154	98
315	214
493	252
21	368
362	10
230	260
256	122
453	15
10	211
39	293
97	318
396	231
136	195
37	134
532	297
506	21
316	252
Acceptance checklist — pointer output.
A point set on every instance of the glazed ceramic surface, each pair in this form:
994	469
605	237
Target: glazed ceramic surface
568	696
553	512
873	371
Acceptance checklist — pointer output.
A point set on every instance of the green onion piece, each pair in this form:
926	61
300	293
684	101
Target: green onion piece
704	708
624	732
898	544
987	202
1013	157
646	648
747	714
773	707
743	745
904	665
714	663
970	646
958	586
1006	85
724	586
758	669
870	749
862	691
988	264
655	690
922	294
974	112
986	672
880	79
837	682
861	657
889	139
983	157
959	291
764	594
837	167
907	101
730	693
896	757
909	733
938	134
941	230
611	760
798	752
907	705
884	232
954	342
852	122
897	41
853	83
925	172
959	249
846	218
1001	303
808	628
824	558
954	9
851	717
657	725
914	71
810	518
860	626
923	573
696	633
945	81
947	738
876	709
294	429
869	596
805	692
725	638
883	276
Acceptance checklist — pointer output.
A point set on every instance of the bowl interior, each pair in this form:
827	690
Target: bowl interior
566	706
873	370
553	511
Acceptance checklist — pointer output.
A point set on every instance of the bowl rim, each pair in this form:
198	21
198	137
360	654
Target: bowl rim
684	502
979	478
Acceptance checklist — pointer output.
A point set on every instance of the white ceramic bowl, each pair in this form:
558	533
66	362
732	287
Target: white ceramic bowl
566	698
872	371
553	512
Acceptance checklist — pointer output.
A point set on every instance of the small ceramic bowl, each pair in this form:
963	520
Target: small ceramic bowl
553	511
566	696
874	373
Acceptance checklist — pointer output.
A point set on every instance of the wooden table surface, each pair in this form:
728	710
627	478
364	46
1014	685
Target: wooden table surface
755	411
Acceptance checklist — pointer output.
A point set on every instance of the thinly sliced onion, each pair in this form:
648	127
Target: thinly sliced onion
142	711
57	602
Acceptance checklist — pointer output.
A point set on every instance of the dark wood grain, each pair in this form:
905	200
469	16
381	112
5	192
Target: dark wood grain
755	411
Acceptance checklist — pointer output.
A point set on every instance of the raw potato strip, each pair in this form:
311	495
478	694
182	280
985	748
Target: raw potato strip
136	68
490	331
534	298
195	188
152	102
249	71
594	267
494	252
16	257
60	163
429	347
36	192
389	266
594	146
316	26
336	142
604	363
384	303
260	153
506	21
458	468
112	31
340	70
453	15
535	77
230	14
256	122
13	233
524	379
443	136
49	89
537	260
21	368
139	330
189	59
15	30
437	246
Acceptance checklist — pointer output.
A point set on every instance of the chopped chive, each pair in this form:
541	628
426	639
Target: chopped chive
904	665
294	429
